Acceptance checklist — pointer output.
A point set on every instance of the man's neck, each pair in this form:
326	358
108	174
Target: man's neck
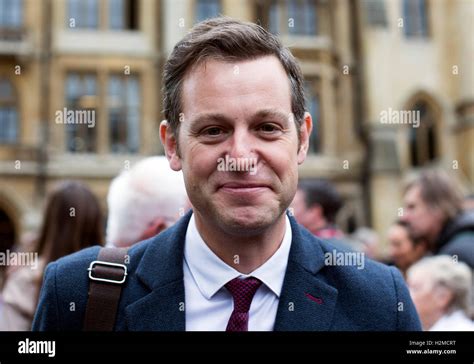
243	253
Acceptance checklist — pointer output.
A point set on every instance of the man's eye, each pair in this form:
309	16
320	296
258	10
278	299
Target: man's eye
268	128
214	131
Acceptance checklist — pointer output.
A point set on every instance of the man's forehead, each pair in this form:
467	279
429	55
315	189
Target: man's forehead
220	90
219	75
413	192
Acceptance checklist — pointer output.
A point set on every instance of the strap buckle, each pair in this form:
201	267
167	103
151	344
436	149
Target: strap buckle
103	263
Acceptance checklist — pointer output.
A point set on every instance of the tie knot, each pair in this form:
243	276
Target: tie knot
243	291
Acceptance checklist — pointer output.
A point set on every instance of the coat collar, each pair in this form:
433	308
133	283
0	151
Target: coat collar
307	302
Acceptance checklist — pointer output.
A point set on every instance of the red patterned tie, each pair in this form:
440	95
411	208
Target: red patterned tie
243	291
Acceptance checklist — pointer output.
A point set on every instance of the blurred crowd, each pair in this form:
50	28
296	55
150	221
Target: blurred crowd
431	242
141	202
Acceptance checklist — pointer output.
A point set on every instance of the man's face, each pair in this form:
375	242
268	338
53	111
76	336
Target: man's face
401	248
423	295
238	143
430	299
309	217
423	219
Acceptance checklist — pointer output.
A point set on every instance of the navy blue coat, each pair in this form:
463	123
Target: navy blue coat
314	296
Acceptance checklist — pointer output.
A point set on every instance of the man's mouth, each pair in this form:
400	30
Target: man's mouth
243	187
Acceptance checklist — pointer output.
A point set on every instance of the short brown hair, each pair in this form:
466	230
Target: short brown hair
438	190
228	40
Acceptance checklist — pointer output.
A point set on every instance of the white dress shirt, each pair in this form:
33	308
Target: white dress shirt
209	304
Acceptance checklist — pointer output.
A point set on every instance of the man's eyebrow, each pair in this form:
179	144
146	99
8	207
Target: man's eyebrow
219	117
272	113
206	117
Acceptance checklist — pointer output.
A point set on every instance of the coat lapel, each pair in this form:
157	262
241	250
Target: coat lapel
161	271
161	310
307	301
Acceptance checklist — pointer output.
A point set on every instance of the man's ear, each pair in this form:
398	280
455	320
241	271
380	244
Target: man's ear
154	228
305	132
171	146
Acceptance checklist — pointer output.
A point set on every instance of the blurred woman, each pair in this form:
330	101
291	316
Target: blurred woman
72	221
441	290
404	250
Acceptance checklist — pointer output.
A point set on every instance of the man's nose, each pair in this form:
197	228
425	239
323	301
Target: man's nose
241	144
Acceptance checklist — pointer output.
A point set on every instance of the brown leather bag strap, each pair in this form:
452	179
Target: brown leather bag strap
107	274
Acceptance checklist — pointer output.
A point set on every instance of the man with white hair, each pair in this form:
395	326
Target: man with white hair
440	288
143	201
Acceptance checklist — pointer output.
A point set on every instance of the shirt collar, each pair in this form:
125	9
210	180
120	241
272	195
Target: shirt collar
211	273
